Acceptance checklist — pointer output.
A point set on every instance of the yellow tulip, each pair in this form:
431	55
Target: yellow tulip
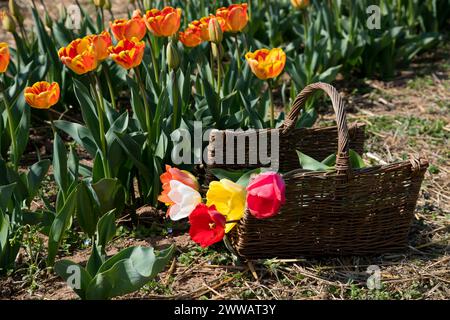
229	199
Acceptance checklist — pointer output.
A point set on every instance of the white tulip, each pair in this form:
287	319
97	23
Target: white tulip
185	198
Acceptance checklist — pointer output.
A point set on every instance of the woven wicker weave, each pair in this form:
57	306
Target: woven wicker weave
342	212
315	142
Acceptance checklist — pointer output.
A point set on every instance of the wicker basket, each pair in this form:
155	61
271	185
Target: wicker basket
315	142
343	212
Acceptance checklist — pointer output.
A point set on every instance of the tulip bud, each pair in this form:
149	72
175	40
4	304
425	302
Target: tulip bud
215	31
99	3
8	22
107	5
217	50
14	9
173	57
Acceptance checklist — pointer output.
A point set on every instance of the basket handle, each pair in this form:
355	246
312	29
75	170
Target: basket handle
342	156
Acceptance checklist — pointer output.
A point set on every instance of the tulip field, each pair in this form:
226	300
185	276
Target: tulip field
110	117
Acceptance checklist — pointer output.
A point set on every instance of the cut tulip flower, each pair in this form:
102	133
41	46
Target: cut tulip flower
207	225
266	195
182	176
229	199
184	199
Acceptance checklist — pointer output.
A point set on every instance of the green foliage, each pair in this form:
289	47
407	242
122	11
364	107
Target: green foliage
125	272
308	163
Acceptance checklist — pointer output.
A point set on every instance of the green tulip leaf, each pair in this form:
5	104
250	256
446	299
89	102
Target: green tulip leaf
308	163
75	276
128	272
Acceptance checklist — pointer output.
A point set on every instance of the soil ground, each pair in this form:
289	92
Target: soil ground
410	114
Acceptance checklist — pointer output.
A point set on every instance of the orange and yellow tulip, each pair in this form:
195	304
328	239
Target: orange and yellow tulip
235	17
203	25
128	53
300	4
4	56
163	23
101	43
191	37
79	56
127	29
266	64
42	95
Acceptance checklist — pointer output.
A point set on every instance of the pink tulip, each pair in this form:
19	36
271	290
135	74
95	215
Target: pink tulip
265	195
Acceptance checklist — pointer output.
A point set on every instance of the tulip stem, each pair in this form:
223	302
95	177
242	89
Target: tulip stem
100	110
218	53
14	150
238	51
272	108
219	76
146	105
175	97
152	55
211	57
110	87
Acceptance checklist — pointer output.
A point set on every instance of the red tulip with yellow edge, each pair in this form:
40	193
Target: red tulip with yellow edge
4	57
79	56
163	23
191	37
266	64
127	29
42	95
235	17
128	53
101	43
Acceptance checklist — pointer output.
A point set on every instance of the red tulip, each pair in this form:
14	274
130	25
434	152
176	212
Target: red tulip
207	225
266	195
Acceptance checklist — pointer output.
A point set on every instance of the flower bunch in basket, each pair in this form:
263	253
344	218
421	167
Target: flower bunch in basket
259	191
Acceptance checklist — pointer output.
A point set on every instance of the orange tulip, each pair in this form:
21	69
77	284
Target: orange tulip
182	176
235	17
265	63
4	56
128	53
42	95
300	4
203	25
191	37
101	43
163	23
127	29
79	56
